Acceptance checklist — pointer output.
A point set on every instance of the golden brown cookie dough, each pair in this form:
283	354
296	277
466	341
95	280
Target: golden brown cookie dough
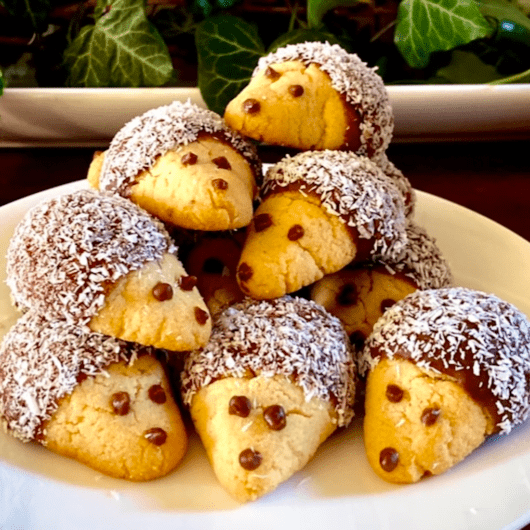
182	164
213	261
331	98
93	398
99	260
276	379
446	368
359	294
320	210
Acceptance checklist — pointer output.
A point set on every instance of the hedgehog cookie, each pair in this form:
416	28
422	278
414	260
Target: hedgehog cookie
333	101
446	368
274	382
183	165
99	400
320	210
213	261
99	260
360	294
400	180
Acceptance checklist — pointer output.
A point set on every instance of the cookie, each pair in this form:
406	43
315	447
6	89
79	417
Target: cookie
446	368
93	398
360	294
98	260
276	379
213	261
320	210
182	164
332	99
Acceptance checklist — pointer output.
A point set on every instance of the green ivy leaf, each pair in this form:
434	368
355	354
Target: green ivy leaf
122	49
466	67
32	12
1	82
523	77
303	35
427	26
228	50
316	9
207	7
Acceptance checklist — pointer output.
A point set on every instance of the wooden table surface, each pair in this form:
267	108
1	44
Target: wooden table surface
490	178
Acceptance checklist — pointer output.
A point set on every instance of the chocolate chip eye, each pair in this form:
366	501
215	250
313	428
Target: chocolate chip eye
239	406
430	416
388	459
213	266
296	90
244	272
262	221
156	436
157	394
201	316
120	403
162	291
187	283
220	184
250	459
386	303
357	338
251	106
272	74
295	232
222	163
275	417
348	295
394	393
189	159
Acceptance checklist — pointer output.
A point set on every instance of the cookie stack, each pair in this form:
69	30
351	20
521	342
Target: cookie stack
273	297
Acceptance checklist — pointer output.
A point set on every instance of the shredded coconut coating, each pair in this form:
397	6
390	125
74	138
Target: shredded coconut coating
286	336
138	144
477	338
351	187
67	250
422	260
41	361
361	86
400	180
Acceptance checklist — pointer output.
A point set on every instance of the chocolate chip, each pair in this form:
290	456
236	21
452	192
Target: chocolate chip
275	417
357	338
157	394
394	393
239	406
348	295
244	272
296	90
187	283
430	416
250	459
120	403
251	106
189	159
388	459
386	303
156	436
222	163
201	316
295	232
271	73
220	184
162	292
262	221
213	266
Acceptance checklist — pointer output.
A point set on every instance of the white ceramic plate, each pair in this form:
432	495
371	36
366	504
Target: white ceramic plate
91	117
490	490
